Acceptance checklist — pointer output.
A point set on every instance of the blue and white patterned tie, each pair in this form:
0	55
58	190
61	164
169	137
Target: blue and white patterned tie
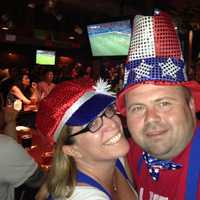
155	165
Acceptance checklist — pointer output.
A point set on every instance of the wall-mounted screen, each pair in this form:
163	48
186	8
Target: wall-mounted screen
110	39
44	57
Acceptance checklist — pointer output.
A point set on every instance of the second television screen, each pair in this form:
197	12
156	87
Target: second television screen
44	57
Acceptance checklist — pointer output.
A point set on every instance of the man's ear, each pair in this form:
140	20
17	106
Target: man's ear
70	150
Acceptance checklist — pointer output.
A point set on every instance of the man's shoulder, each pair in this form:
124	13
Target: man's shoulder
9	147
5	139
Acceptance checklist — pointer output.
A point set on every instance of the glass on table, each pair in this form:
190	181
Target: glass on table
26	140
25	137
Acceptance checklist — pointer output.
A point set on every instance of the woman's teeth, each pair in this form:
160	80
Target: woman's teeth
114	139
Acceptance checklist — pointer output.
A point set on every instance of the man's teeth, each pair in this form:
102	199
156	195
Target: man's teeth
114	139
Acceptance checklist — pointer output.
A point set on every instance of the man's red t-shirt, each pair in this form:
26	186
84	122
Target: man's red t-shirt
171	184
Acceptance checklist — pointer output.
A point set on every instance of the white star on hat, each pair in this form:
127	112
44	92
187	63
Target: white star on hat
143	70
169	68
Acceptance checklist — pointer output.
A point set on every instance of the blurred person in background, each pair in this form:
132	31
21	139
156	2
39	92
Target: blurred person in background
88	72
18	171
46	85
7	80
22	90
197	70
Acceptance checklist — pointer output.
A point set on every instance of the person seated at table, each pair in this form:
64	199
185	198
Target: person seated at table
81	118
46	85
25	91
6	82
17	168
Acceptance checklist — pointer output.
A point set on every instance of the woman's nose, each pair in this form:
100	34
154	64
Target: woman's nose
111	123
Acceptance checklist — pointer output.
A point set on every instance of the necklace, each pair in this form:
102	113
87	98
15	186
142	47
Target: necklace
114	186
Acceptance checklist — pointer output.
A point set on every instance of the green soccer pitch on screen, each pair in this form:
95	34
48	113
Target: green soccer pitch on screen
44	57
110	38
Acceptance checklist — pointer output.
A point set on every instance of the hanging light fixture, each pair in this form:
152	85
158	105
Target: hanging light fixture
78	29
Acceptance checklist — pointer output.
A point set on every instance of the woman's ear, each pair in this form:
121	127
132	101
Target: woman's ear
70	150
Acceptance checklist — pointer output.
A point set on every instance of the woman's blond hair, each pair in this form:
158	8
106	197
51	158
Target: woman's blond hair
61	179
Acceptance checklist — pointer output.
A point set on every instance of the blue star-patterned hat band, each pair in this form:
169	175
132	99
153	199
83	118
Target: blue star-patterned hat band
155	56
162	69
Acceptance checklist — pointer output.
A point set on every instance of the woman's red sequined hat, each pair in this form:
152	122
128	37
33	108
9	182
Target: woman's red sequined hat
73	103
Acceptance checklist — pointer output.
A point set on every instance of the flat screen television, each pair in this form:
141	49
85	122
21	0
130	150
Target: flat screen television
110	39
44	57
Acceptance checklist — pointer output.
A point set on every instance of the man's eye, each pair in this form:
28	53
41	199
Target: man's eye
165	106
165	103
137	109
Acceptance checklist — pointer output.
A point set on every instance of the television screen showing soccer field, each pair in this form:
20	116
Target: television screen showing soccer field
44	57
110	39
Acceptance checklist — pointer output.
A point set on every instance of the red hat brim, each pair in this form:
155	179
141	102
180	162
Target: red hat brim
192	85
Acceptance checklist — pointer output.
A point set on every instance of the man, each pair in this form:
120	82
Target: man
160	106
6	83
17	168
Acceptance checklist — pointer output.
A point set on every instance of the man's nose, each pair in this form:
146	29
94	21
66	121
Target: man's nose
152	115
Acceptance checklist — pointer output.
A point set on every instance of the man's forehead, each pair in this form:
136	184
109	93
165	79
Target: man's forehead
153	90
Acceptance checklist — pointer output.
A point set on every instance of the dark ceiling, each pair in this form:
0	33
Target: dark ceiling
62	15
72	16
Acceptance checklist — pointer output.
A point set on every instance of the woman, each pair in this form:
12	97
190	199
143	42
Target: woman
27	93
89	138
24	91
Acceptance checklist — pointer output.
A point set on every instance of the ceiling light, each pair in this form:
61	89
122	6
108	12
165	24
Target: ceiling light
78	29
51	3
4	28
156	11
4	17
71	37
59	17
31	5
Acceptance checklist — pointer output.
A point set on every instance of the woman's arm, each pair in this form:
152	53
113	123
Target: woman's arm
35	92
18	93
